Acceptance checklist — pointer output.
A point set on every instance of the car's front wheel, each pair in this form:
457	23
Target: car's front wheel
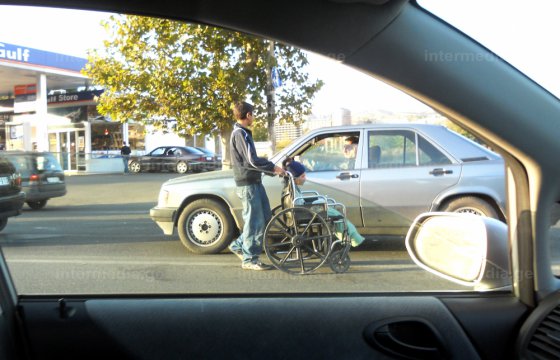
36	205
3	223
471	205
205	226
134	167
182	167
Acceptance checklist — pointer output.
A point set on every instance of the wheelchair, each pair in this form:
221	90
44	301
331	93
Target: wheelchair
307	231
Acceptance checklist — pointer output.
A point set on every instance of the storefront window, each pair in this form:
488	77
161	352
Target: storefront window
106	136
136	136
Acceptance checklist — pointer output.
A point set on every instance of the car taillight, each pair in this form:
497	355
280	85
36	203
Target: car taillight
202	158
34	178
16	180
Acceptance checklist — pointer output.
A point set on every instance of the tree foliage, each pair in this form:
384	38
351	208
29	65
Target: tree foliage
154	70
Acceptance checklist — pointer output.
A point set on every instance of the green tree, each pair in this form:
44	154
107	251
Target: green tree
154	70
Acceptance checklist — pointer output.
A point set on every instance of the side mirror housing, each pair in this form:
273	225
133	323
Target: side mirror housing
467	249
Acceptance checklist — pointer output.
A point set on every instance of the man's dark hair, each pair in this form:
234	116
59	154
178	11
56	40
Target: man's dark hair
241	109
352	139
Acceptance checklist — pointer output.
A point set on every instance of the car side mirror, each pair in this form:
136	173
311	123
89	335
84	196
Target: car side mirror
467	249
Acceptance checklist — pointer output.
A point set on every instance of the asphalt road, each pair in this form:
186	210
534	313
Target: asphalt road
99	239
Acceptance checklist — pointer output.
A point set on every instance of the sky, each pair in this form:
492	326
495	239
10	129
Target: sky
507	27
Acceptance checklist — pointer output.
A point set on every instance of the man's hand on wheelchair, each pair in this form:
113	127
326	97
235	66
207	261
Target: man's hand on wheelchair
279	171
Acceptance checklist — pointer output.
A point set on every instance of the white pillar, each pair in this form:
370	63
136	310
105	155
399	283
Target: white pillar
42	137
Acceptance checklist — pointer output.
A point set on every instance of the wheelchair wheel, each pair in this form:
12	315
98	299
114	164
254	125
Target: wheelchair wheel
297	240
339	262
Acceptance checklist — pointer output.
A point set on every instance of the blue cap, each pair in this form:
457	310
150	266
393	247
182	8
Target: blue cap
295	168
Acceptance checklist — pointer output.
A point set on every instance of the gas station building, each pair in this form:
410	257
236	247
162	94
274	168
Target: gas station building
46	104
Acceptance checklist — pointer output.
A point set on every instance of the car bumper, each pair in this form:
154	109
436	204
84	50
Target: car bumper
11	206
34	194
164	218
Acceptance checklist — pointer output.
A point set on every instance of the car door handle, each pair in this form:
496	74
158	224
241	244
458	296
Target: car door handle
346	176
440	171
407	338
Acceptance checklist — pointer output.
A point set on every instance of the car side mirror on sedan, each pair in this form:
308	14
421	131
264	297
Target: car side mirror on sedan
467	249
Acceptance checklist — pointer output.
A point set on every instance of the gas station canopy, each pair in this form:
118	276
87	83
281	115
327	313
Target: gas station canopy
21	66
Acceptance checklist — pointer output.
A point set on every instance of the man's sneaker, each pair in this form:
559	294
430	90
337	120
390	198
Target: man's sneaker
255	266
239	254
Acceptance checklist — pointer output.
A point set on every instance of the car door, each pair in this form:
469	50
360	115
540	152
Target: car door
330	172
154	159
404	173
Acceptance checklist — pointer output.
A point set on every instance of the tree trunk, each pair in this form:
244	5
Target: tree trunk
271	111
226	136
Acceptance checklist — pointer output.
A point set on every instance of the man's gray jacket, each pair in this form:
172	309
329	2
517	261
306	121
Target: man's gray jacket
247	166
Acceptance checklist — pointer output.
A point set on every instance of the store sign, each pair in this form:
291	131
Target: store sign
25	55
73	97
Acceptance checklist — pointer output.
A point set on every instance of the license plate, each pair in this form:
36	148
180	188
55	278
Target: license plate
4	181
53	180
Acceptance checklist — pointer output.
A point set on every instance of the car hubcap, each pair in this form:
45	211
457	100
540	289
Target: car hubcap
182	167
469	210
134	167
204	227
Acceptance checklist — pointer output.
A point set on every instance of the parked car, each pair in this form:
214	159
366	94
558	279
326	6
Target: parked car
181	159
399	172
42	177
11	196
216	158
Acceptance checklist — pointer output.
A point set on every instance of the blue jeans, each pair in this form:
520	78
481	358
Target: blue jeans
256	215
125	162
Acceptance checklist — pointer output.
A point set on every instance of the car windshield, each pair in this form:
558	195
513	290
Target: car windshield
136	220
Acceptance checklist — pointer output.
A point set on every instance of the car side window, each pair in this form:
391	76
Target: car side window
428	154
329	152
157	152
400	148
391	148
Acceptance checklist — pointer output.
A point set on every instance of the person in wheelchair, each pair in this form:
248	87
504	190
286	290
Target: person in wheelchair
298	172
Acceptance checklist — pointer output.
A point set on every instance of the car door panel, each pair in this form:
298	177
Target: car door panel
257	327
395	196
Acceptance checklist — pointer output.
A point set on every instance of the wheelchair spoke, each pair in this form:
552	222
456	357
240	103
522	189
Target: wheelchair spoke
294	221
315	252
287	255
300	256
309	224
280	244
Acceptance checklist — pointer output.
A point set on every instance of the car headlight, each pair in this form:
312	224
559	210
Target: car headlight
162	199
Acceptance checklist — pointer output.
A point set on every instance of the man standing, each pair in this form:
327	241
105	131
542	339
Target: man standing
247	172
125	153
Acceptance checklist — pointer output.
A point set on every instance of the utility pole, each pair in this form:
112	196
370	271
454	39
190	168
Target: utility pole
271	111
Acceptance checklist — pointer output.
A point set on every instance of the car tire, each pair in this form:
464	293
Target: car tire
471	205
182	167
134	167
3	223
36	205
205	226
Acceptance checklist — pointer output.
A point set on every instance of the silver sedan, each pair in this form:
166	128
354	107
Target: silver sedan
394	173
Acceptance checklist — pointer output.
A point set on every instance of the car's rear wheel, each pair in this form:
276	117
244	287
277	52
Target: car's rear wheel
3	223
36	205
134	167
182	167
205	226
471	205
